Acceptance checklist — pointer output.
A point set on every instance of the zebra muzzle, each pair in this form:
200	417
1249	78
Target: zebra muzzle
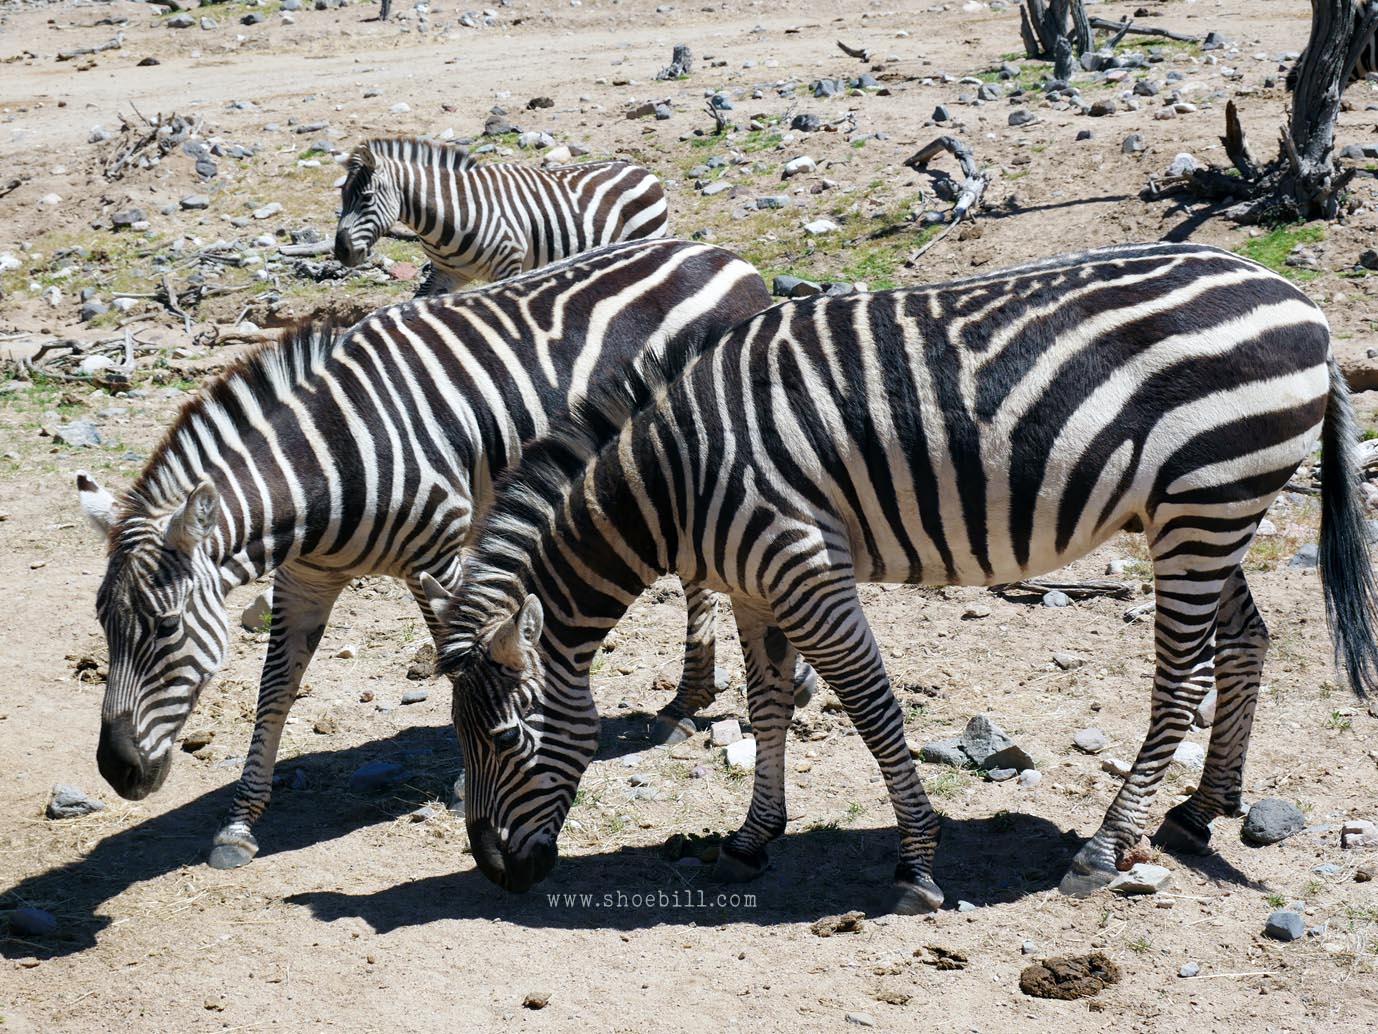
123	765
508	871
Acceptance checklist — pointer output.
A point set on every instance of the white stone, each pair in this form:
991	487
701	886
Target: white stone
94	364
1191	756
727	731
1115	767
819	227
1359	833
1142	878
8	262
48	200
742	754
558	155
795	166
268	211
347	653
1030	777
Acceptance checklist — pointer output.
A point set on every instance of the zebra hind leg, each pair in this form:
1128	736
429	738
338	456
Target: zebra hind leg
698	685
301	608
770	660
1241	643
1188	590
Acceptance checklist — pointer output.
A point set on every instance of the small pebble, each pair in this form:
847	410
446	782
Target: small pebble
1189	969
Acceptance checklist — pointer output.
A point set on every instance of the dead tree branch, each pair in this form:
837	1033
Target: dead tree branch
860	53
1128	27
968	198
114	44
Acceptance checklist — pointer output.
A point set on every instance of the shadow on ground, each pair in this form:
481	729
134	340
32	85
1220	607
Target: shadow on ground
814	872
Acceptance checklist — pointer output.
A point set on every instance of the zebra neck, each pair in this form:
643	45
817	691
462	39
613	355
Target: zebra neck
436	216
255	532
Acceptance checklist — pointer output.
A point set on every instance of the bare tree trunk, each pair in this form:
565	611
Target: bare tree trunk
1340	29
1041	27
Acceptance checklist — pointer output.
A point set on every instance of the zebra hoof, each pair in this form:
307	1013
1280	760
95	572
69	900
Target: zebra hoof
668	730
229	856
805	684
1183	832
917	898
1087	873
732	868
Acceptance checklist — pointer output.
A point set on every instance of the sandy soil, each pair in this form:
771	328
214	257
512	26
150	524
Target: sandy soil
354	917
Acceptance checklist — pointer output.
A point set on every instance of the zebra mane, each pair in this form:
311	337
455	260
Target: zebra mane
266	373
528	495
412	149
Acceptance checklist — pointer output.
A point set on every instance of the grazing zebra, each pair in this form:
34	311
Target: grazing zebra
322	460
490	221
976	432
1363	42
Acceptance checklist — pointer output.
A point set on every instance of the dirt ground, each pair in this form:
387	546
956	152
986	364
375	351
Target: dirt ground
354	917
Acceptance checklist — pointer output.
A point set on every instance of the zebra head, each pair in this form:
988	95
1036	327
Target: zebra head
526	740
371	204
162	605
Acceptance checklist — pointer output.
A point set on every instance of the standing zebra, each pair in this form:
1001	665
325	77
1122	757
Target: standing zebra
321	460
977	432
490	221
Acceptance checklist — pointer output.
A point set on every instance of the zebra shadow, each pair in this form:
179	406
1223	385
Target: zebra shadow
813	873
311	805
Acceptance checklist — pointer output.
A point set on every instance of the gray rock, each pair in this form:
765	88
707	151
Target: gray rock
267	211
965	906
1028	948
1184	164
982	739
663	111
716	187
1102	108
861	1019
80	432
1084	134
1021	117
989	92
1358	833
1284	925
68	802
1090	741
531	139
1013	759
127	217
742	754
206	169
90	310
806	123
1326	869
1068	661
415	696
945	752
194	202
32	922
181	21
1056	598
785	286
639	779
1030	777
772	201
98	134
376	775
941	114
1307	558
257	616
1145	88
1133	143
796	166
1189	969
252	18
997	774
1141	878
1272	821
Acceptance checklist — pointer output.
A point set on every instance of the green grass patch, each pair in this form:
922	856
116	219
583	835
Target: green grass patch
1273	247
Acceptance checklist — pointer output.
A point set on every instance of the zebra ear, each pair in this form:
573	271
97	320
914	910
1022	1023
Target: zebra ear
194	520
97	503
438	597
362	157
513	643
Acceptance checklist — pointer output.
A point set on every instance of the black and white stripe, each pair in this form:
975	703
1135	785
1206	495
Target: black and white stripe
978	432
321	460
490	221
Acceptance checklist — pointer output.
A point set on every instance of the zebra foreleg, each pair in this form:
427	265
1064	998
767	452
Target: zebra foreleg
301	607
770	661
1241	643
838	641
698	682
1188	594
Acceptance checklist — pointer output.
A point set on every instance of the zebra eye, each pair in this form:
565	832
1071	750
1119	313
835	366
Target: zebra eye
168	626
508	738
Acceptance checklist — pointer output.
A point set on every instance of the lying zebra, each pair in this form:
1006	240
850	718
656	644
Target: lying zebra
321	460
982	431
489	222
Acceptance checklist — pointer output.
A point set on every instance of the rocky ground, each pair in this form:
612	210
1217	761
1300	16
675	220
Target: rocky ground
175	186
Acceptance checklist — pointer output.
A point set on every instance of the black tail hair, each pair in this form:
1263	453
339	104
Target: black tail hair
1351	593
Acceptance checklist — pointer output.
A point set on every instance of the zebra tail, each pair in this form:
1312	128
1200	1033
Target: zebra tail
1351	592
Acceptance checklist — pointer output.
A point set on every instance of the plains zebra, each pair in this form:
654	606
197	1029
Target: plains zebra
977	432
490	221
322	460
